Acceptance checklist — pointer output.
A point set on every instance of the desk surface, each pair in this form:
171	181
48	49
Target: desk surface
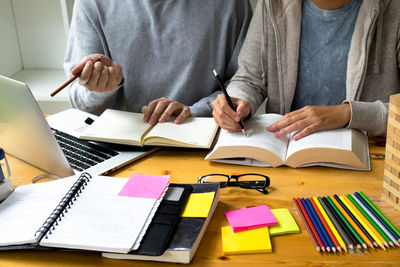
185	166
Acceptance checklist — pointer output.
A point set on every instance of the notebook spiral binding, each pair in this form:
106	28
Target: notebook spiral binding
63	206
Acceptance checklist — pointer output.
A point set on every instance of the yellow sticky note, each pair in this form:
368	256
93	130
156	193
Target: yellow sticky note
249	241
286	223
198	205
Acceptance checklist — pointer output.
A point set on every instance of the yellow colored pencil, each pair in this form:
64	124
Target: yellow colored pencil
330	224
372	234
372	231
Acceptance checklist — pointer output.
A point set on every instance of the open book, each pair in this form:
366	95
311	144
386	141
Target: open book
340	148
128	128
76	213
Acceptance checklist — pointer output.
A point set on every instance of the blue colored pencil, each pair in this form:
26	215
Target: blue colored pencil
320	233
321	226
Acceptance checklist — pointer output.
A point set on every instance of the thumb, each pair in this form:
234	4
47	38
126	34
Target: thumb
243	109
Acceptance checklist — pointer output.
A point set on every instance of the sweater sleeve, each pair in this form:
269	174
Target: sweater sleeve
85	39
248	84
244	15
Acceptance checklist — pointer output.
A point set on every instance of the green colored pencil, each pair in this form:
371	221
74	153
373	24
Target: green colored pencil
348	225
369	219
381	215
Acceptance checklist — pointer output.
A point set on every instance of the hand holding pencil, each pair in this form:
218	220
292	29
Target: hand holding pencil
228	111
95	72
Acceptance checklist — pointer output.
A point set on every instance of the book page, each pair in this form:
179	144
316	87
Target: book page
102	220
118	127
194	131
258	136
27	208
337	139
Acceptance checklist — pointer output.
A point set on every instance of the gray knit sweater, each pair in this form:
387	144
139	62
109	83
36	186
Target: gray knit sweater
166	49
268	61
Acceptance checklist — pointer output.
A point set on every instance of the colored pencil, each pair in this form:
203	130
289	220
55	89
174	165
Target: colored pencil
321	245
363	204
330	224
375	240
320	233
338	224
371	221
342	216
321	227
380	214
353	221
325	225
309	231
360	217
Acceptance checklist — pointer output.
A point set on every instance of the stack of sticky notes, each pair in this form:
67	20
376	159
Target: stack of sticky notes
250	229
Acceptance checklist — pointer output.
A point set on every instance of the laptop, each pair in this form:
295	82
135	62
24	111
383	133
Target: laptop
26	134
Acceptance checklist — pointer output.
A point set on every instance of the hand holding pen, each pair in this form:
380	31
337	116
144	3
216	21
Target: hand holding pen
95	72
226	116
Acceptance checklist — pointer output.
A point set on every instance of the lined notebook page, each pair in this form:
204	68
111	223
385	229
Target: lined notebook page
26	209
102	220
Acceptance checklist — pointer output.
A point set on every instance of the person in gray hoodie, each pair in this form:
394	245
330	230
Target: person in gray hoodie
158	56
326	64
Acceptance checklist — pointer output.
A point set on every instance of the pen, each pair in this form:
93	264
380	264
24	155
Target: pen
228	99
70	80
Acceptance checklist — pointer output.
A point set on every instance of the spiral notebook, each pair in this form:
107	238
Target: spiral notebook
76	213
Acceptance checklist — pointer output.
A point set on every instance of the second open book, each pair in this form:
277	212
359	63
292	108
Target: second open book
340	148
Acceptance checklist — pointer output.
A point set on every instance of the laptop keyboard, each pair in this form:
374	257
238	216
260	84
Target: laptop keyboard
82	154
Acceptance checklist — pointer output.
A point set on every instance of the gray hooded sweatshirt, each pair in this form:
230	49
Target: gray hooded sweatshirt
268	61
166	49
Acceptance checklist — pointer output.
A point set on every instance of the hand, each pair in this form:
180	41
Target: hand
103	76
227	118
159	110
310	119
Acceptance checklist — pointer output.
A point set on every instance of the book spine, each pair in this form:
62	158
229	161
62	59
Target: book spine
63	206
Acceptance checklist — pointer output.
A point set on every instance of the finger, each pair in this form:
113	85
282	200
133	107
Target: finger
286	121
306	131
243	109
114	77
86	73
185	113
296	126
149	110
78	68
94	78
225	121
158	110
169	110
102	82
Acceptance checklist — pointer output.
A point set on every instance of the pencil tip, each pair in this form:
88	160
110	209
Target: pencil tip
244	132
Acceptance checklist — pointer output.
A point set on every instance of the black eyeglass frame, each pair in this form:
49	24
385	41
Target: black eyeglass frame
243	184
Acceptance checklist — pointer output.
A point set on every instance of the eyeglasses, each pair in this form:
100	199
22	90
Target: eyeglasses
247	180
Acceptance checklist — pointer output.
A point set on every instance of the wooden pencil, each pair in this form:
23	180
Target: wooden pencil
362	203
357	225
390	226
305	223
363	221
337	223
374	227
325	225
317	225
321	245
73	78
358	241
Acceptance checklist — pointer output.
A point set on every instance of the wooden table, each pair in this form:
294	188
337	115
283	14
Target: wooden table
185	166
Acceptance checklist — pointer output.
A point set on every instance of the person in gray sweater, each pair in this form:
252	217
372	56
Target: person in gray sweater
158	56
326	64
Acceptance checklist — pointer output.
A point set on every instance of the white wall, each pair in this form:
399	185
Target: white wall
10	60
41	33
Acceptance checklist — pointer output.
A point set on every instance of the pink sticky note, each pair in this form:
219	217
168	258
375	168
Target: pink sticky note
250	218
145	186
